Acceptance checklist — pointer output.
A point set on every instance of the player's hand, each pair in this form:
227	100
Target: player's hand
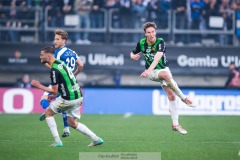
145	73
35	83
135	56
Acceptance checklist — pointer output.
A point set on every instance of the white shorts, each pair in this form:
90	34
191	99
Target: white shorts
46	93
153	75
71	107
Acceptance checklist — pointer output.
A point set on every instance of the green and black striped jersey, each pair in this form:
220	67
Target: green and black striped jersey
149	52
68	87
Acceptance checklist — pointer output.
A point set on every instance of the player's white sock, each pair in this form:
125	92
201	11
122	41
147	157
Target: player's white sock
85	130
174	87
53	128
173	109
66	129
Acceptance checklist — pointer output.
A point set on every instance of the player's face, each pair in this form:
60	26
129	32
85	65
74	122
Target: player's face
150	34
43	57
59	42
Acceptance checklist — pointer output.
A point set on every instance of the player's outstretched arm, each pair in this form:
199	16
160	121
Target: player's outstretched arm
37	84
157	58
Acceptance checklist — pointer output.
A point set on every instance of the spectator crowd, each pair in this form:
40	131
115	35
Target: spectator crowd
126	14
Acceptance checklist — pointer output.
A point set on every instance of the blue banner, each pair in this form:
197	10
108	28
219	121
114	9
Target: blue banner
117	101
154	101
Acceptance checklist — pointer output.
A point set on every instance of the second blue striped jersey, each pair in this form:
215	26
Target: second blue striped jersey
68	56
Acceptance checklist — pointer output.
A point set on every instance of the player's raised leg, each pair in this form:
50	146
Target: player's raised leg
173	85
167	76
44	101
45	104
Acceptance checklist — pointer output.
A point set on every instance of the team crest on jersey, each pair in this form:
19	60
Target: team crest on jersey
153	49
148	50
60	66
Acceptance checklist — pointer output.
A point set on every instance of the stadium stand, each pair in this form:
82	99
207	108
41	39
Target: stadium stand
186	24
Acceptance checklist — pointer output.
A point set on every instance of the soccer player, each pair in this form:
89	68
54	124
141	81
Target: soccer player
71	59
153	50
63	82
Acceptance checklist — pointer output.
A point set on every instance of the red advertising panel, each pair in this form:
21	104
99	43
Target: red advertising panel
20	100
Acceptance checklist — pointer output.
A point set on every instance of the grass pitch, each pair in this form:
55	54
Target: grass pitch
24	137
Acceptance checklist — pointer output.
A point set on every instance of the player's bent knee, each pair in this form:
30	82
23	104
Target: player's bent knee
164	75
49	112
44	103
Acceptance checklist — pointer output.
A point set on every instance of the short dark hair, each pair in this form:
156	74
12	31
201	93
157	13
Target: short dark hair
48	49
148	25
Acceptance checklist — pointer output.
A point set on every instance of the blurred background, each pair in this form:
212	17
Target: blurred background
202	39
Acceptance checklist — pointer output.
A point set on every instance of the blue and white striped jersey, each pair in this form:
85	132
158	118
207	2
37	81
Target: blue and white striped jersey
67	55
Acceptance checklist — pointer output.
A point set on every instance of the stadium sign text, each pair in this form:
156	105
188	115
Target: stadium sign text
18	60
207	61
207	104
103	59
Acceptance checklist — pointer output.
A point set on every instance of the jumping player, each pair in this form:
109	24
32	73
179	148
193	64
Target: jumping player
153	50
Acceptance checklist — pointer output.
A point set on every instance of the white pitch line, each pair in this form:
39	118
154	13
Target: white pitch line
113	141
28	141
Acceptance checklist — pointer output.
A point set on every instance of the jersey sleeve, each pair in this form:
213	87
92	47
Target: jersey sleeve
161	46
137	49
54	74
76	56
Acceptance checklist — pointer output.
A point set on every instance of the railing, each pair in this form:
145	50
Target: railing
11	27
136	30
219	31
74	27
39	28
